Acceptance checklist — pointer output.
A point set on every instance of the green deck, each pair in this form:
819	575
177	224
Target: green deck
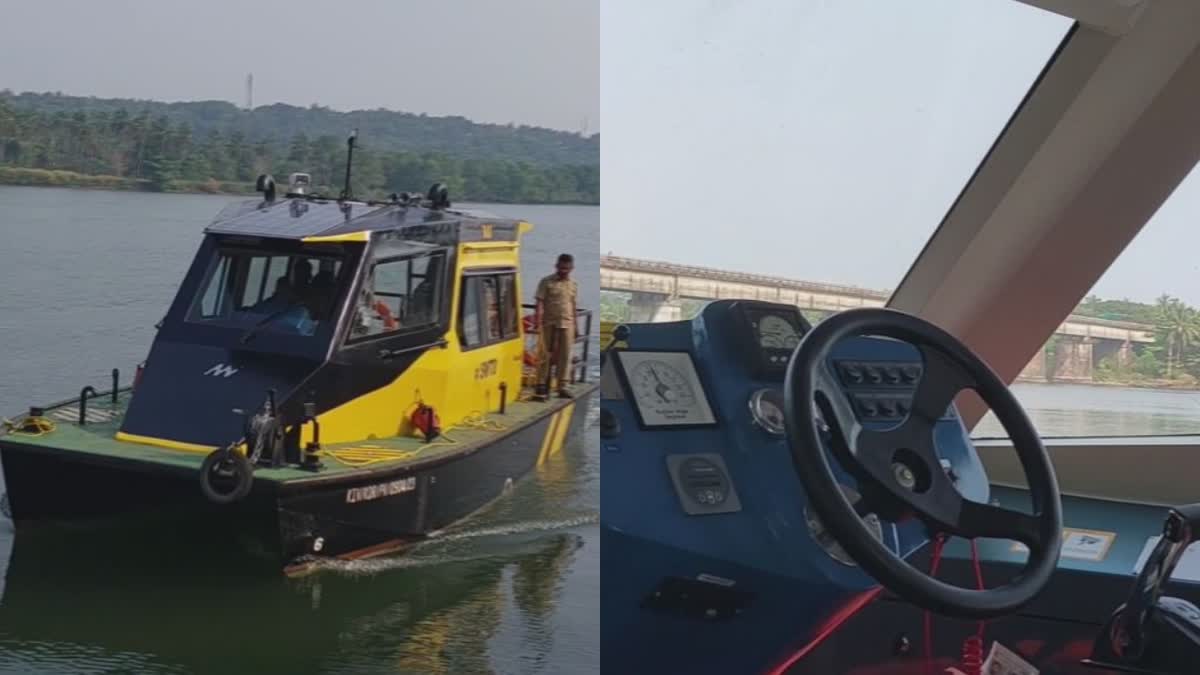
96	439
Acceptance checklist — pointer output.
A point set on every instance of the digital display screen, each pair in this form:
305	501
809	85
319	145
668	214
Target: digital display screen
768	334
776	328
776	332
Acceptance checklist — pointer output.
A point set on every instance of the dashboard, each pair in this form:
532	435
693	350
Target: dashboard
700	495
722	375
668	392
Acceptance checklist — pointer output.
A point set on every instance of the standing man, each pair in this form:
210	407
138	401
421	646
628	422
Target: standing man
555	319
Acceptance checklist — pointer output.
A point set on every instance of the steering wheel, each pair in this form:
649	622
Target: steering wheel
901	467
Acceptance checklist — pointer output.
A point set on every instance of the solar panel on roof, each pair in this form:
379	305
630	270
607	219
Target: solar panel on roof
299	218
292	219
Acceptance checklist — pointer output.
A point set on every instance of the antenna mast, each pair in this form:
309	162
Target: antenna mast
250	91
346	193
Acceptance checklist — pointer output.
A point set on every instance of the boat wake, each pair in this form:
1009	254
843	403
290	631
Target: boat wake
523	527
430	552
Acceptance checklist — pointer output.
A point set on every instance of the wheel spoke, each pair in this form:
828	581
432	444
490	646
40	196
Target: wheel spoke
843	420
941	381
996	522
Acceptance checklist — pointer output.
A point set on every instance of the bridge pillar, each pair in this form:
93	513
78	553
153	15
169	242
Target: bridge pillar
653	308
1073	359
1035	370
1125	354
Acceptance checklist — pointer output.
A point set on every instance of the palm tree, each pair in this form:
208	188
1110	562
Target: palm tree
1179	327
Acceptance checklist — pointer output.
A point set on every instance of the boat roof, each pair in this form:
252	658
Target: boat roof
304	219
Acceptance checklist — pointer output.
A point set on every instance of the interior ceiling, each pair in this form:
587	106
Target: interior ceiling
1115	17
1102	140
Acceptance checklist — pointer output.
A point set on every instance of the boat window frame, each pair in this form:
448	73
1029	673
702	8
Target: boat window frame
497	273
224	251
437	319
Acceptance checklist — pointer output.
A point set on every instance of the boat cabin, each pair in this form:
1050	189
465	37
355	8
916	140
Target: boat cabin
354	313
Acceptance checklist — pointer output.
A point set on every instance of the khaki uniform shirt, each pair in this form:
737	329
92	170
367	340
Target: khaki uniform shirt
558	301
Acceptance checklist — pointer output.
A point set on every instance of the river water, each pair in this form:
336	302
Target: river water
1075	410
84	277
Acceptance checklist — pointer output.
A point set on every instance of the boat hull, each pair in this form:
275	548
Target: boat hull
346	515
388	509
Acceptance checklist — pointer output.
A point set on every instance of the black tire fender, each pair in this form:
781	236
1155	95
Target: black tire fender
231	466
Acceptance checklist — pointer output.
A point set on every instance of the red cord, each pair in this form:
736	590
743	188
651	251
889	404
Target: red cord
972	660
972	648
939	541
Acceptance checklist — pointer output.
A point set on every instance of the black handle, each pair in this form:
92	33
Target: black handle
389	353
83	394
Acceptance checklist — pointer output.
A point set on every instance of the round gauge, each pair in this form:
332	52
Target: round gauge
659	385
826	541
766	409
776	332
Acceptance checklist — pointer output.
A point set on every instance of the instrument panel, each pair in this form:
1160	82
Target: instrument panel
776	332
666	389
769	333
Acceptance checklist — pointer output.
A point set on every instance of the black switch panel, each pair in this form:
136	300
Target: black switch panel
881	407
879	374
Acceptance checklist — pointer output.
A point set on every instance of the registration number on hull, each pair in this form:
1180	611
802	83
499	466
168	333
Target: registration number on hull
380	490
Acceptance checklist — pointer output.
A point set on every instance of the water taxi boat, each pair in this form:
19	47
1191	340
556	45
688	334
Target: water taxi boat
781	497
336	377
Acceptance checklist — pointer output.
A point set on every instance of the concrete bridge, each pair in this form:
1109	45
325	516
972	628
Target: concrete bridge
656	290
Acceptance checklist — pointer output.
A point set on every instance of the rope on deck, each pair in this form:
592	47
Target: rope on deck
29	426
366	455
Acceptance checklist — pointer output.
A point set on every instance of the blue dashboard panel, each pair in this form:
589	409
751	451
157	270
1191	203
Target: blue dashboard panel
1123	528
760	555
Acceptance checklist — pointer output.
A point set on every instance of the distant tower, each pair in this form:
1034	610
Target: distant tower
583	130
250	91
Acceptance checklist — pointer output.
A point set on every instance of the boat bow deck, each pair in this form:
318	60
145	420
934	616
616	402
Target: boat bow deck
95	442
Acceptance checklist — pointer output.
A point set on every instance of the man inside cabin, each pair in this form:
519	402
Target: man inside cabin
285	309
555	319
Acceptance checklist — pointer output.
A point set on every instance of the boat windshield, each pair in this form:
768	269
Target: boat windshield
856	125
861	123
266	291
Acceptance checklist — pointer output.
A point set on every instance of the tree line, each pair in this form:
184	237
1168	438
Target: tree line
388	130
1175	353
134	149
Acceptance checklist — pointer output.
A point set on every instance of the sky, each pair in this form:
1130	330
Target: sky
825	141
523	61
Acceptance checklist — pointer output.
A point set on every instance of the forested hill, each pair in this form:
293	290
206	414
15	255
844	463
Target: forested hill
213	147
382	130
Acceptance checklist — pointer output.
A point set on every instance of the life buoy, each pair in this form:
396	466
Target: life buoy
389	321
226	476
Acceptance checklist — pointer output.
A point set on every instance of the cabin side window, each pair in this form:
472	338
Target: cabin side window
399	294
488	308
